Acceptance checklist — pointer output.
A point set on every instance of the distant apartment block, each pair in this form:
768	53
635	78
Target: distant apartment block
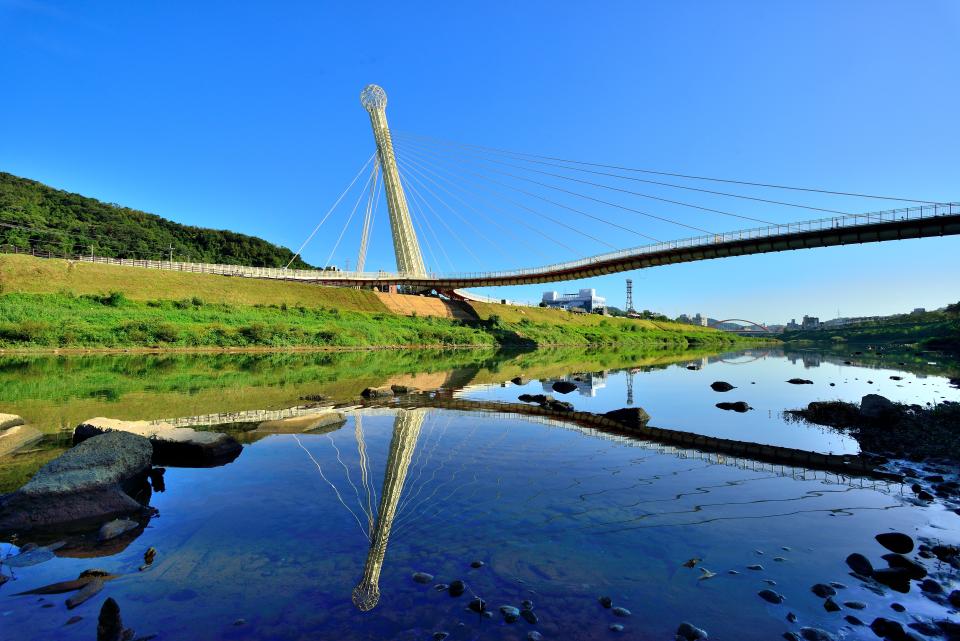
585	300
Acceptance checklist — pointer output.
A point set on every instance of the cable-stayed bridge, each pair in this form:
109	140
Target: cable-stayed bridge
452	205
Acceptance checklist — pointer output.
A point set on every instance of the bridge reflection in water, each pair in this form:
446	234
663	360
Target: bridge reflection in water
406	431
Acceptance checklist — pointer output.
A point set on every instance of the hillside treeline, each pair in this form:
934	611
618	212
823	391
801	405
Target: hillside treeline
33	215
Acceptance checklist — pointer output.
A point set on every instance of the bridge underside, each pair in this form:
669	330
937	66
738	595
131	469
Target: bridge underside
944	225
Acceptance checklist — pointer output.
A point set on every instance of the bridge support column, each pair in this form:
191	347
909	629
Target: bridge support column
405	244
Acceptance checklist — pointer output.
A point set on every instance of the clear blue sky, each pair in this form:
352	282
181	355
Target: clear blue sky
246	116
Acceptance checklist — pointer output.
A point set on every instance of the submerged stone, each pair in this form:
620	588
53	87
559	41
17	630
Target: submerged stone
510	613
606	601
421	577
895	542
529	616
721	386
822	590
771	597
860	564
456	588
115	528
621	612
689	632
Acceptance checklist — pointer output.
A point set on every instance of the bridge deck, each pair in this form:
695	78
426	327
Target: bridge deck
899	224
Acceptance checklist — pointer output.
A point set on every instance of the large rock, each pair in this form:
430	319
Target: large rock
629	416
874	406
17	437
172	446
564	387
10	420
89	483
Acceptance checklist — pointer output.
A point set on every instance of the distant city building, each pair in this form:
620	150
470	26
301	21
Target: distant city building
810	322
919	310
792	326
585	300
696	319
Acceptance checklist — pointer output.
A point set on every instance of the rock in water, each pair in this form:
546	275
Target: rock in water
606	601
800	381
115	528
815	634
621	612
86	484
739	406
823	591
564	387
860	564
526	604
874	406
916	570
533	635
830	605
17	437
529	616
510	613
109	625
476	564
456	588
895	542
421	577
721	386
689	632
177	446
478	605
629	416
615	627
895	578
518	380
771	597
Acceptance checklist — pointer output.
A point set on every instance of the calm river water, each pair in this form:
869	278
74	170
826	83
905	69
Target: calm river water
318	535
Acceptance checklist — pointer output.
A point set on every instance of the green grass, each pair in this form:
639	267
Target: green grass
57	304
66	320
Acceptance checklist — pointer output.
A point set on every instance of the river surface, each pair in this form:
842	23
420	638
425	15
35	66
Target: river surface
318	535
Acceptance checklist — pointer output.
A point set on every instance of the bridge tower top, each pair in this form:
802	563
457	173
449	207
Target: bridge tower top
405	244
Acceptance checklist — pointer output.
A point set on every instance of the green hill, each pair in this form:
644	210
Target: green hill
33	215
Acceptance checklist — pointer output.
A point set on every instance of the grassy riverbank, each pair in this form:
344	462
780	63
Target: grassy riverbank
65	320
58	304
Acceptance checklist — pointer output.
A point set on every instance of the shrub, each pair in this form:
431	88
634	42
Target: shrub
255	333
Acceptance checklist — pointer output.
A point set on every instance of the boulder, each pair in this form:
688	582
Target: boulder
317	422
874	406
88	484
172	446
721	386
518	380
402	389
564	387
629	416
17	437
800	381
10	420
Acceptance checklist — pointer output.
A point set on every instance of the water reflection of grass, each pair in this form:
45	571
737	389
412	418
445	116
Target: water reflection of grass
59	391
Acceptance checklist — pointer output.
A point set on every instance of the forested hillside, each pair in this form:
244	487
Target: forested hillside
50	220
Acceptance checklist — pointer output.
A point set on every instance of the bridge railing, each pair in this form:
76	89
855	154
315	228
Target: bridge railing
840	221
843	221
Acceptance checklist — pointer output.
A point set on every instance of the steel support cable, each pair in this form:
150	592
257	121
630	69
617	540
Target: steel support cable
356	206
652	182
529	209
330	211
675	174
420	231
412	200
439	173
580	211
442	222
334	487
579	195
368	214
517	204
458	215
426	175
412	166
